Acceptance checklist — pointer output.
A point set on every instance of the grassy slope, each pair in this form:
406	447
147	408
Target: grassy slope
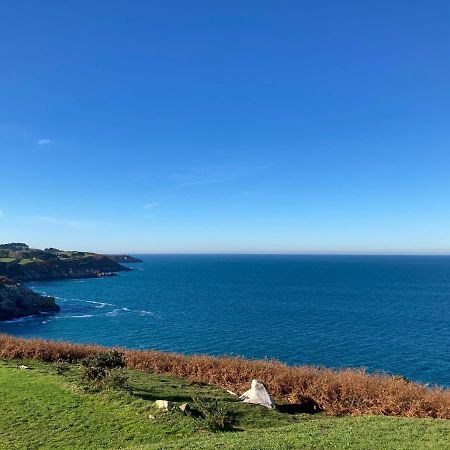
41	409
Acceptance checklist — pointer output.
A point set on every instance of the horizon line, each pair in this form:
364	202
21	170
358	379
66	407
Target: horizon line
285	253
269	252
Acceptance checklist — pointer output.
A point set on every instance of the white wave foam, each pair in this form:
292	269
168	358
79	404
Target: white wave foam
20	319
99	304
82	316
92	302
113	313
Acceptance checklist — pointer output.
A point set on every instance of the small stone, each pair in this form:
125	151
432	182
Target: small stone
258	395
151	416
164	404
24	367
186	409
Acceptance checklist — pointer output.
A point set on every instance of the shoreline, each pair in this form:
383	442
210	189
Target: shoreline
20	265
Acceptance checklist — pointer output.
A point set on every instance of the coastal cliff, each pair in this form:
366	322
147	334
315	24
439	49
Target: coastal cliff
92	266
18	301
125	258
20	264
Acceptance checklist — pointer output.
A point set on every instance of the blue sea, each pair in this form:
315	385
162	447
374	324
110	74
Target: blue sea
383	313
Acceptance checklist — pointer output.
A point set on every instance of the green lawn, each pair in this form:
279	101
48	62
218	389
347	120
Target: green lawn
40	408
21	261
28	261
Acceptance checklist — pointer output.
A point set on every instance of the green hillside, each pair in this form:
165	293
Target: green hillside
47	406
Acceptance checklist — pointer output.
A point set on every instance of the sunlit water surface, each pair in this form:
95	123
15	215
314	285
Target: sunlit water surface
384	313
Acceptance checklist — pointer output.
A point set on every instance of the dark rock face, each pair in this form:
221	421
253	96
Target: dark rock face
53	269
18	301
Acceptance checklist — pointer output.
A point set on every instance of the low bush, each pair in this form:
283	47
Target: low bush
214	415
337	392
102	370
116	379
61	367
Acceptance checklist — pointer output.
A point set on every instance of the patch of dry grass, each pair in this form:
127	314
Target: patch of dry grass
337	392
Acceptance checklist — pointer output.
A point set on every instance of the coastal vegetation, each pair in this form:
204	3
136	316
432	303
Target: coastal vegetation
21	263
88	396
335	392
43	406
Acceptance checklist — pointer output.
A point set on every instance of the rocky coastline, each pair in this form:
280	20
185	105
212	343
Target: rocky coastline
21	264
94	266
18	301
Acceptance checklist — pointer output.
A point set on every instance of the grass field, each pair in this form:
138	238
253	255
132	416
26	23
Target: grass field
41	408
7	260
28	261
21	261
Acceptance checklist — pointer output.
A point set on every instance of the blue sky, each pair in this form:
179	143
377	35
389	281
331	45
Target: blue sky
238	126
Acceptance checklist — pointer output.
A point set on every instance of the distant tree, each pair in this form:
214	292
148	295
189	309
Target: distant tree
16	246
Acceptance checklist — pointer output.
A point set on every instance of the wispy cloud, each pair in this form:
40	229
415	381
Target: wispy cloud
216	175
69	223
202	182
44	141
151	205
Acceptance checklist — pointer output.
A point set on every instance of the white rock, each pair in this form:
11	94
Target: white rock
186	409
23	367
258	395
164	404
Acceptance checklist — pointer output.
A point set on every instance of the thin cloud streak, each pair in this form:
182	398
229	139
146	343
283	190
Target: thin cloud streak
221	175
69	223
44	141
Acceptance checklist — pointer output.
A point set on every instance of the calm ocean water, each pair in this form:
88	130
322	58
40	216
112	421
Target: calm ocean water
384	313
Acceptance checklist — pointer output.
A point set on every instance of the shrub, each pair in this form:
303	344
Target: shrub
116	379
61	367
96	368
214	415
109	360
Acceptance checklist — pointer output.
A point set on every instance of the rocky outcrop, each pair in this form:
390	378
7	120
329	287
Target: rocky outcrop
185	408
18	301
165	405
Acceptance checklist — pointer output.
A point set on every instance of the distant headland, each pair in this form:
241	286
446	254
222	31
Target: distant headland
20	263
